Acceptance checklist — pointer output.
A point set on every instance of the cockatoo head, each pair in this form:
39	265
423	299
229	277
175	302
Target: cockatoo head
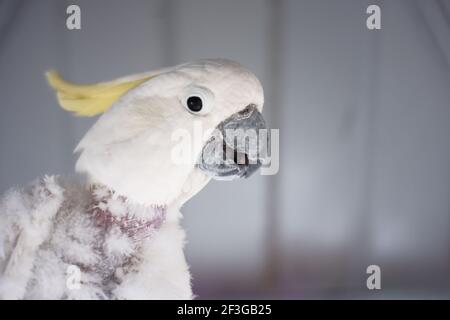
158	138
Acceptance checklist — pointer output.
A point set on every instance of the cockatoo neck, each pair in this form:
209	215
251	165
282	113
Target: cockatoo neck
110	210
195	182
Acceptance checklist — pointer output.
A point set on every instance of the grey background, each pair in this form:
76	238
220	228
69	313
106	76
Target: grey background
364	127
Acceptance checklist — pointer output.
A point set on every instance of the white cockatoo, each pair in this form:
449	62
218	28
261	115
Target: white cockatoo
117	235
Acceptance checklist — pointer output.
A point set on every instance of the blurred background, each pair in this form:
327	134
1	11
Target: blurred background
364	119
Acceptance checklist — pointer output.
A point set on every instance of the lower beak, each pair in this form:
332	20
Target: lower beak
236	148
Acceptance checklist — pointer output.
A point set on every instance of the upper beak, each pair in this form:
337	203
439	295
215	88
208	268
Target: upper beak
236	149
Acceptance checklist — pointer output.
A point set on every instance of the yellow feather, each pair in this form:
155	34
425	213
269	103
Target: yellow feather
90	99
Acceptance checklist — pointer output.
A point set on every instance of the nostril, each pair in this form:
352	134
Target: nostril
246	111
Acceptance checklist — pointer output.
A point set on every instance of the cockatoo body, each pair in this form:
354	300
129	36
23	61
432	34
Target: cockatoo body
117	235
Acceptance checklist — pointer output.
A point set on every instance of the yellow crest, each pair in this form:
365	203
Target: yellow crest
88	100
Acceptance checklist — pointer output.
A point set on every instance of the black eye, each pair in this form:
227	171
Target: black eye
194	104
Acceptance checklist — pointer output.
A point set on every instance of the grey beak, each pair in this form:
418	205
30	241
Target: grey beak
235	150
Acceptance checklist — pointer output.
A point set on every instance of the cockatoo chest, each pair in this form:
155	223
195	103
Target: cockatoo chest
94	246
